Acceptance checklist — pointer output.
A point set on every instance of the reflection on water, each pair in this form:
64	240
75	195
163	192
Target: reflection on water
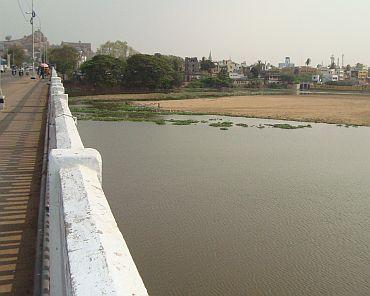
240	212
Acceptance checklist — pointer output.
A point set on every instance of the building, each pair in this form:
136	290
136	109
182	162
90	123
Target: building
41	44
241	82
273	78
329	75
192	69
235	76
286	64
340	73
216	70
84	49
307	70
316	78
228	64
360	72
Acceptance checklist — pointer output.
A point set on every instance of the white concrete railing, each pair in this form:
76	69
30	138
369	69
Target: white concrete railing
88	255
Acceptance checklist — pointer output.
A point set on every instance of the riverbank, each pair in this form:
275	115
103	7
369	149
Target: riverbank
180	94
325	108
346	109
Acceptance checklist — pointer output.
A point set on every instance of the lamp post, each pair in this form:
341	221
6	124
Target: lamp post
41	46
33	15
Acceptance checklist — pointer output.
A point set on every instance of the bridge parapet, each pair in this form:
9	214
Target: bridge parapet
88	254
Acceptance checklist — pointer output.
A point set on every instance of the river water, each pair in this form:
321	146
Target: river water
245	211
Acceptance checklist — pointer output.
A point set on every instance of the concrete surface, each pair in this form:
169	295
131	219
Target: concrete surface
22	127
88	254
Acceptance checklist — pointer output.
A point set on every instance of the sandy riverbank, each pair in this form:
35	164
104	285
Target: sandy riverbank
348	109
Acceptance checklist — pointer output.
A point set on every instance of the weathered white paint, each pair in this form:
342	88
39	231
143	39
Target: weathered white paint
56	89
88	254
56	79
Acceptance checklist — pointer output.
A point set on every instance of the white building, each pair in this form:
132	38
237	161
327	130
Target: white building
316	78
229	65
235	76
340	73
286	64
329	75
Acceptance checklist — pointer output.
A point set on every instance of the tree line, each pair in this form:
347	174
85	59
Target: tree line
138	71
119	65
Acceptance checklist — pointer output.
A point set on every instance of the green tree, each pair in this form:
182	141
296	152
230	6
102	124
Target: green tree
17	55
65	58
104	70
257	69
216	82
177	65
116	49
308	62
359	66
287	78
149	72
206	65
222	80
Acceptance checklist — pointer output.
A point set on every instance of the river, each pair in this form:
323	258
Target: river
244	211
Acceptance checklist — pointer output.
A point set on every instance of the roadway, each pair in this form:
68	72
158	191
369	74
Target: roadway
22	130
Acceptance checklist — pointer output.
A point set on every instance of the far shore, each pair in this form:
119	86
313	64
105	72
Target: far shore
334	109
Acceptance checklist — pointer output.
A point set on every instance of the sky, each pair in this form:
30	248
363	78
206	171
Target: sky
243	30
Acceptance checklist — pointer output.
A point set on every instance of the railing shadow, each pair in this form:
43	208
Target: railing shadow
20	173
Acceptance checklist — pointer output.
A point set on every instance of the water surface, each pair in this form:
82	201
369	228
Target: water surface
245	211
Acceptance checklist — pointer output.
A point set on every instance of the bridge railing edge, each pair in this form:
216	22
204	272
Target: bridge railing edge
87	250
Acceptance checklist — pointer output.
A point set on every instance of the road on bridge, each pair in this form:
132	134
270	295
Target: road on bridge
22	130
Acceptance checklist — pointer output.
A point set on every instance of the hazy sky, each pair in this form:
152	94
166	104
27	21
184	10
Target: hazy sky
245	30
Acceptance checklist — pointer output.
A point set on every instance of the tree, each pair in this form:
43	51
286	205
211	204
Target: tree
308	62
149	72
206	65
360	66
117	49
223	78
8	37
257	69
65	58
177	65
17	54
287	78
104	70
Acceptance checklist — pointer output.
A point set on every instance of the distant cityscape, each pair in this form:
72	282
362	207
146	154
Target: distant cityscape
241	74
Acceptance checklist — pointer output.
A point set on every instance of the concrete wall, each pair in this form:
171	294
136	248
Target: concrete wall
88	254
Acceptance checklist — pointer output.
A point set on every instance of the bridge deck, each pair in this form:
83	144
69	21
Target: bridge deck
22	128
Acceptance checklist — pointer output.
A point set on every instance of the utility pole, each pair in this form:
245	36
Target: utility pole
33	14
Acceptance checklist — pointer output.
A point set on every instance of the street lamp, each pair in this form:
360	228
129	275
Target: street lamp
43	45
33	15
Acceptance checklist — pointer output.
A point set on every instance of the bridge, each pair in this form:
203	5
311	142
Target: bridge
58	235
